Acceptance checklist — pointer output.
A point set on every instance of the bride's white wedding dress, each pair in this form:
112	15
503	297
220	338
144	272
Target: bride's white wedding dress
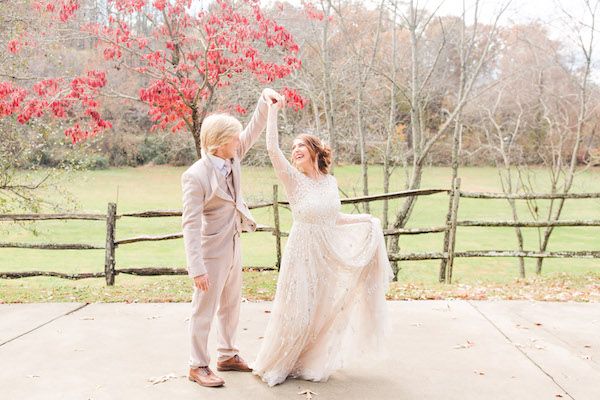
330	299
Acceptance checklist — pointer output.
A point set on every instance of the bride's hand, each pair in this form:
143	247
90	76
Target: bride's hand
273	98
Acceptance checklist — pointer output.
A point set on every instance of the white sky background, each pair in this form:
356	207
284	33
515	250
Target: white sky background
550	13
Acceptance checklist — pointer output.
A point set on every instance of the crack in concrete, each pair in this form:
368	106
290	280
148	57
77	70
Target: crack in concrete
45	323
520	350
576	349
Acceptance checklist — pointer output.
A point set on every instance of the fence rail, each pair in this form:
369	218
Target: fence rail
447	256
45	217
51	246
493	253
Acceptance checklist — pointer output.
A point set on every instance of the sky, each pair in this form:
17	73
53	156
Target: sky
549	12
518	11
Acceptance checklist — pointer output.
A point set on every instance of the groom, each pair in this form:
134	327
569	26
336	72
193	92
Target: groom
214	215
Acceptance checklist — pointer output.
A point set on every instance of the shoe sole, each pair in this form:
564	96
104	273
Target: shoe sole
206	384
222	369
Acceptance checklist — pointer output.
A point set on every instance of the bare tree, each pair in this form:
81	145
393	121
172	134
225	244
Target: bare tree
418	92
364	54
502	132
388	165
567	125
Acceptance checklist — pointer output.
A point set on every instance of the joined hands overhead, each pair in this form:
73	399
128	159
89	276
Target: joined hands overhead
273	98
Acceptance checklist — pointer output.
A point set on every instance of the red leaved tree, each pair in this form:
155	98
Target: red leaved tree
185	54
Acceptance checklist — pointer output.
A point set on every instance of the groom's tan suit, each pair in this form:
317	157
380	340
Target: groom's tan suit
214	215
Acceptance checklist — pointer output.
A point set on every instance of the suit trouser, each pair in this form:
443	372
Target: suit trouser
223	297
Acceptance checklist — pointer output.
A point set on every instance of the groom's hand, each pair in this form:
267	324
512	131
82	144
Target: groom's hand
201	282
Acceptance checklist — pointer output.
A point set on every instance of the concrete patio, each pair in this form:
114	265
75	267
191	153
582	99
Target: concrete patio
437	350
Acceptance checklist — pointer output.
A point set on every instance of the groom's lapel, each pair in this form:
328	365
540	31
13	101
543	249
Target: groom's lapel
236	170
215	181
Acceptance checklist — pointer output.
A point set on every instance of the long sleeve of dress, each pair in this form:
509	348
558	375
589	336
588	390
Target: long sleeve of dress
284	170
345	219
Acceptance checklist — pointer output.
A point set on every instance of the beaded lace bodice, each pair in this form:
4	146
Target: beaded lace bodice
313	201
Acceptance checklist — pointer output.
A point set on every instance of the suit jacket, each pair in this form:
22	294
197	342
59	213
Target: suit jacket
211	217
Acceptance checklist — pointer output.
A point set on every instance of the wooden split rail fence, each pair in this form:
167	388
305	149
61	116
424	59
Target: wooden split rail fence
447	255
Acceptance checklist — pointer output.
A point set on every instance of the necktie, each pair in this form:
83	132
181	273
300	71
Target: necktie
227	167
229	178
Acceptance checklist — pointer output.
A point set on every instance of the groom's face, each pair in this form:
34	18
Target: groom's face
229	149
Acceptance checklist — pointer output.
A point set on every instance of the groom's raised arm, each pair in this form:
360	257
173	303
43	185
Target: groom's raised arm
191	222
257	123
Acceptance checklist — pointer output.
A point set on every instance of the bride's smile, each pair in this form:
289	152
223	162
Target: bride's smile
301	155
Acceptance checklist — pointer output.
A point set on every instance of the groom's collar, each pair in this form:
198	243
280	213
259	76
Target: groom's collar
218	162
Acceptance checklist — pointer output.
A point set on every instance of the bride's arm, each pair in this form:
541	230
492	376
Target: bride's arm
344	219
283	168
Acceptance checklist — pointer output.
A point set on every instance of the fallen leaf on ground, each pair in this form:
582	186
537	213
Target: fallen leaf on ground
535	345
164	378
479	373
465	345
307	393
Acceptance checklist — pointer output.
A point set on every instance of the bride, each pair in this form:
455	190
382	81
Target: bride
330	299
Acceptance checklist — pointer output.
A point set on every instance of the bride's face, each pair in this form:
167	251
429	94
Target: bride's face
301	156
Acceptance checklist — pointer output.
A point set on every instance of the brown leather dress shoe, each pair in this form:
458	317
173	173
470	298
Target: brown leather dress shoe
205	377
235	363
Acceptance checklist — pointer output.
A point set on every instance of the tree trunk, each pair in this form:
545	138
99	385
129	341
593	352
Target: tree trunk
362	146
455	154
587	50
391	125
196	126
328	101
519	234
403	215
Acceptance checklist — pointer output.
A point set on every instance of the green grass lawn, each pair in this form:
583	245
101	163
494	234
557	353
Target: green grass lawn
153	188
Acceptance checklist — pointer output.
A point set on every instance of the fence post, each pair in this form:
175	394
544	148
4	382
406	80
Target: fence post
452	229
109	260
277	231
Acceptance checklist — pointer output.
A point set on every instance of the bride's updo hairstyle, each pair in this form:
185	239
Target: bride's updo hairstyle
318	151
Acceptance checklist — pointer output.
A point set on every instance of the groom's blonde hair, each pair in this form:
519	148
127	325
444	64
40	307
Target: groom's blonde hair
217	130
